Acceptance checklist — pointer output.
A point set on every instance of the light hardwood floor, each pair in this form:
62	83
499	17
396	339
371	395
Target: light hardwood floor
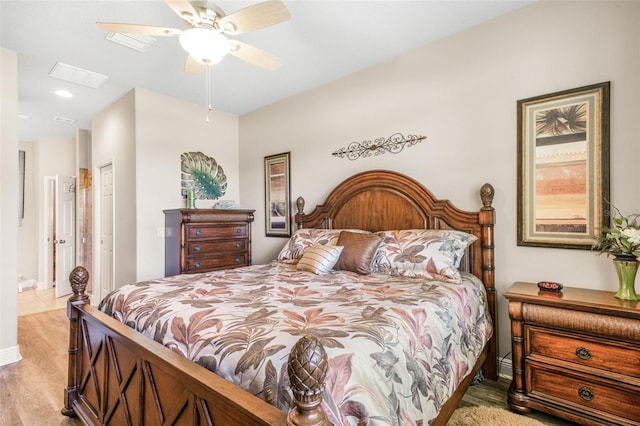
31	391
32	301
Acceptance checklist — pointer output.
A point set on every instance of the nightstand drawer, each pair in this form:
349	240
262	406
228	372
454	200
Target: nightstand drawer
220	231
584	350
219	262
208	247
584	393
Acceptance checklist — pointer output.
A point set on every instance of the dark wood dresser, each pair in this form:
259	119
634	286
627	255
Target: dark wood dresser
576	355
201	240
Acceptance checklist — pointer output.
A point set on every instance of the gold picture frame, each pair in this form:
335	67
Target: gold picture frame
277	195
563	167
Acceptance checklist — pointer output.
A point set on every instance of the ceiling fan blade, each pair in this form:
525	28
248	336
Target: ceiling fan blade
255	56
191	66
254	17
184	10
138	29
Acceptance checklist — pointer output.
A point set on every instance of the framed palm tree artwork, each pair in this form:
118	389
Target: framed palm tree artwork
563	167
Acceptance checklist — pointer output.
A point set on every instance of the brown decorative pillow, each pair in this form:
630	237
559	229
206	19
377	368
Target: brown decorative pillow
358	251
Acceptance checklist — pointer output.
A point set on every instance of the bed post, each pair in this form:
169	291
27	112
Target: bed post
307	369
79	277
487	220
300	215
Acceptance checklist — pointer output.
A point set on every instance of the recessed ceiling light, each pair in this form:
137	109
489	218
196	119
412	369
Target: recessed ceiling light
63	93
24	116
64	120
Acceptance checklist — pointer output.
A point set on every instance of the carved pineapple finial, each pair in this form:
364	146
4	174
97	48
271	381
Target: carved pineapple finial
307	369
486	195
79	277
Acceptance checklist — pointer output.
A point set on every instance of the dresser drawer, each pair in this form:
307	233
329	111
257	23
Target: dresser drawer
205	264
208	247
195	232
583	350
583	393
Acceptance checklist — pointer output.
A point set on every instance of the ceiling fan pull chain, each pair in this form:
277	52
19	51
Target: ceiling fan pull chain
208	89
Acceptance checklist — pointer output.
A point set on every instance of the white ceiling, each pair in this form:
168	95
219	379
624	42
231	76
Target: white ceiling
323	41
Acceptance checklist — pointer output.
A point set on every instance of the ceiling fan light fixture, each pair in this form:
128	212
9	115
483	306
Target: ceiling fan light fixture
205	45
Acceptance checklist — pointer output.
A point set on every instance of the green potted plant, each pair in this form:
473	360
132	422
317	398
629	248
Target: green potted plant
622	242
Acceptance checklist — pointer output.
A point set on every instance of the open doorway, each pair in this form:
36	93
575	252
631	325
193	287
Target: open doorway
60	232
57	247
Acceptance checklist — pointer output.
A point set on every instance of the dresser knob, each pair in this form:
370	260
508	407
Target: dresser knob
196	248
238	260
198	232
238	245
585	393
583	353
197	265
238	230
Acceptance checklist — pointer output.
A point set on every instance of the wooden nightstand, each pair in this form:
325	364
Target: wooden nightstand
576	355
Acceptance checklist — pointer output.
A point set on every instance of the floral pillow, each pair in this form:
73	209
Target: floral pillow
428	253
304	238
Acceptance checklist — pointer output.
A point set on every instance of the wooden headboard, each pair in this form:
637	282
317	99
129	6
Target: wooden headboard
380	200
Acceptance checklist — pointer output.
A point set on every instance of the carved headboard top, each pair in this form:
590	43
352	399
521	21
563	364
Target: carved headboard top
379	200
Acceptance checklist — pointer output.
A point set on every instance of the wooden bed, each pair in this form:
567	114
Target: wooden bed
118	376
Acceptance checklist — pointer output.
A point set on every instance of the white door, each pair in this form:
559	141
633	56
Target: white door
65	229
106	229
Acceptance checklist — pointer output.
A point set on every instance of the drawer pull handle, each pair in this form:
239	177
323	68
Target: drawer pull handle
196	248
198	232
238	260
585	393
583	353
238	245
238	230
197	265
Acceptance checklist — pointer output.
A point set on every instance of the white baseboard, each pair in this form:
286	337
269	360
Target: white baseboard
10	355
505	368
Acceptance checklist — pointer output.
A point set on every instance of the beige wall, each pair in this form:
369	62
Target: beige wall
143	135
113	142
461	93
9	351
165	128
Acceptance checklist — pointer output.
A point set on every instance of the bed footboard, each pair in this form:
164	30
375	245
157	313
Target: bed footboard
118	376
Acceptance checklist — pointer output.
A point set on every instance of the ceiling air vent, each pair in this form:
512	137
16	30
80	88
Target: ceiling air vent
64	120
139	42
77	75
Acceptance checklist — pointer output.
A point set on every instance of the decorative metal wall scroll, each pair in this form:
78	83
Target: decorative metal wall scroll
393	144
202	176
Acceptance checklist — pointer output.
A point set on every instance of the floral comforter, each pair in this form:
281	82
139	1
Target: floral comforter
398	347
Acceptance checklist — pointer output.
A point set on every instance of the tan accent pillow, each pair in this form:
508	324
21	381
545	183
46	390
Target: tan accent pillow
319	259
358	252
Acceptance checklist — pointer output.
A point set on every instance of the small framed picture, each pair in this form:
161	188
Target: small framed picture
277	195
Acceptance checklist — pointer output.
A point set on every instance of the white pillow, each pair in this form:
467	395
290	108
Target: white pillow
319	259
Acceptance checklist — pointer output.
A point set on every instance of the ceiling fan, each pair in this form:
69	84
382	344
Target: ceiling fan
205	39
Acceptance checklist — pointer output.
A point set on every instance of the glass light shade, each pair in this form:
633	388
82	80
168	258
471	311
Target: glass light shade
204	45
